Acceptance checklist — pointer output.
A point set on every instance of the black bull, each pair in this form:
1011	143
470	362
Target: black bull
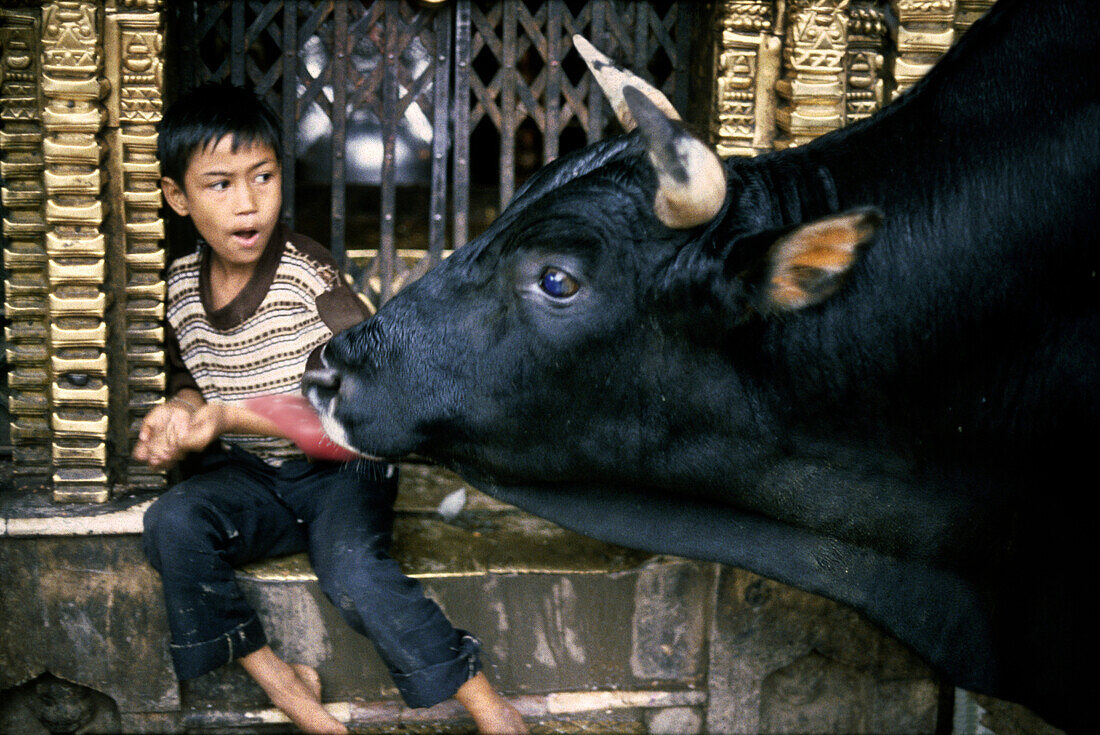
866	367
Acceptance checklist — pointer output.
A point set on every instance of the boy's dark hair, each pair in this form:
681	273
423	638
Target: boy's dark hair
207	114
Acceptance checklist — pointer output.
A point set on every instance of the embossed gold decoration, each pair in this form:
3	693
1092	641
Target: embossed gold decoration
135	69
72	117
925	31
747	67
812	86
25	254
864	61
81	88
837	66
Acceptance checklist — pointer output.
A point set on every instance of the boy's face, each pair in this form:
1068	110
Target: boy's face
234	199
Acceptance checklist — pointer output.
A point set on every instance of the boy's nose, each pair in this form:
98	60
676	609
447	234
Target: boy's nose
246	199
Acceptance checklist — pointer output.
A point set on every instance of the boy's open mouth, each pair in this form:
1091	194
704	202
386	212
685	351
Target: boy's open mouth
247	237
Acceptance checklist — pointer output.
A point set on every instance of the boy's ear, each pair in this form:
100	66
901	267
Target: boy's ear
808	263
175	196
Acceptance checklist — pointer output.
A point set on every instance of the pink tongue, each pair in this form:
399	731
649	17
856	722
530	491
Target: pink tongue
295	416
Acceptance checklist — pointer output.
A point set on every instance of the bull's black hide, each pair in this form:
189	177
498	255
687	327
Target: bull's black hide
869	369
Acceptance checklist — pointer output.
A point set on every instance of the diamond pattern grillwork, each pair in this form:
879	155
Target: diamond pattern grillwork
388	65
524	48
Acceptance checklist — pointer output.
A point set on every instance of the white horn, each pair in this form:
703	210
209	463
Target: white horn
691	180
612	79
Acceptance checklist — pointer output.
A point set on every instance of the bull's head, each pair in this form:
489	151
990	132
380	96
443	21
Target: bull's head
602	331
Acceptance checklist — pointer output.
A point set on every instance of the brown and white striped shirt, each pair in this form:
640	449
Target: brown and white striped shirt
260	342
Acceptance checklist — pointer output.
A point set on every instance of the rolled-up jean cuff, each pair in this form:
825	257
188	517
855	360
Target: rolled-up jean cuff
434	684
196	659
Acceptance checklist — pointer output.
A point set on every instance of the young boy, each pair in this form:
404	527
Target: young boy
245	313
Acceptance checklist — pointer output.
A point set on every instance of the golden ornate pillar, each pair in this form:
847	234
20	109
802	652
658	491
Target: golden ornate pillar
746	69
865	61
76	248
812	87
85	295
25	289
135	68
925	32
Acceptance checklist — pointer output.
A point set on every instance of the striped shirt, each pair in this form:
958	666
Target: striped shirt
259	343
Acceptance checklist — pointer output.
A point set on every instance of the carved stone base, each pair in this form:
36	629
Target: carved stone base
49	705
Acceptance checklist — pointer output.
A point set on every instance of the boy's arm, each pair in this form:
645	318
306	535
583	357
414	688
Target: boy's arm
211	420
186	423
287	416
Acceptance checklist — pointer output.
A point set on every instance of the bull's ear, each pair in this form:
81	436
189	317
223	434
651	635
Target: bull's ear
691	180
612	79
808	264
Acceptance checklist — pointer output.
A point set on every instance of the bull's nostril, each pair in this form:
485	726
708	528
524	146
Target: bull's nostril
325	379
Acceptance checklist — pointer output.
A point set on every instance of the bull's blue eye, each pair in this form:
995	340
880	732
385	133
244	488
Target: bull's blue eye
558	283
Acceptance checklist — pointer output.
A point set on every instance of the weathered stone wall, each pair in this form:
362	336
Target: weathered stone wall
576	632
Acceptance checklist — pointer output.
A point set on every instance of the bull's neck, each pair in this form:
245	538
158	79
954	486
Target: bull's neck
796	186
951	164
1012	81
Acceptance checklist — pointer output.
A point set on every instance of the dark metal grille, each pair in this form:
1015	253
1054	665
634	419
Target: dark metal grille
446	108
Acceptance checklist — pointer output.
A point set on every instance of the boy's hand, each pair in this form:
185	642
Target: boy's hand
158	439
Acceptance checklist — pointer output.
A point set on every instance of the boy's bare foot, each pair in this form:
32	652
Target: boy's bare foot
492	713
310	678
505	720
290	693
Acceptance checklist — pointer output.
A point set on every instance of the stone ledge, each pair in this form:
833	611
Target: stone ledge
536	709
34	513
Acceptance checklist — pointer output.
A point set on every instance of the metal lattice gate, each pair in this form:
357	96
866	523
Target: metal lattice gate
446	106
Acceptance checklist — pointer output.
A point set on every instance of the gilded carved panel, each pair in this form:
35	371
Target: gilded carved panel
76	246
135	42
787	71
925	31
80	88
864	61
22	167
746	70
811	87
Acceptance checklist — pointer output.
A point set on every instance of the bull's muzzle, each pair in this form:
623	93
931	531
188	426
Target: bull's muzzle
320	385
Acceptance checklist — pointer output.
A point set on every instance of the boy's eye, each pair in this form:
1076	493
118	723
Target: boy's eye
265	177
219	185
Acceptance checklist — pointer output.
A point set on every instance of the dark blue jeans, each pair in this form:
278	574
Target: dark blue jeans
237	509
